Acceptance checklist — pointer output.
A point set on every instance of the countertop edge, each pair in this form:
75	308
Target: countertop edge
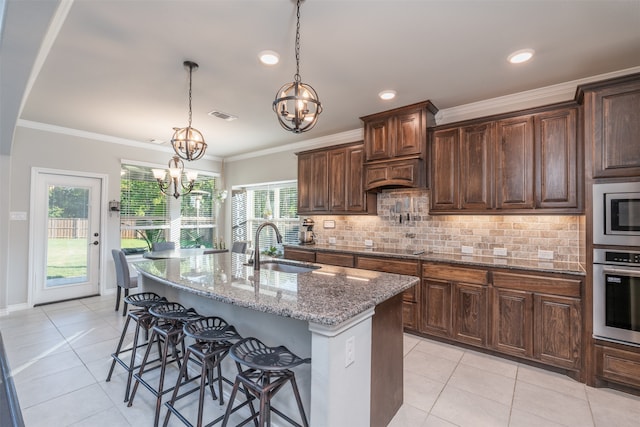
294	314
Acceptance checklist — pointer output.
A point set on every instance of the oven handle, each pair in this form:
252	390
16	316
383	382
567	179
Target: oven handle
613	270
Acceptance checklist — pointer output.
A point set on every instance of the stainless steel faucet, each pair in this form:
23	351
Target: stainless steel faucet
256	251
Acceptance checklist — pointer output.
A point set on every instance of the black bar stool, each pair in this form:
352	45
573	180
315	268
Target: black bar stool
268	370
213	336
168	330
143	320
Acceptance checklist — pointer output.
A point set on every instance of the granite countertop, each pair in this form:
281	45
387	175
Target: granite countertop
328	295
541	265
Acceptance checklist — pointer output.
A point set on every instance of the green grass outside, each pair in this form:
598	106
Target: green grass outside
67	258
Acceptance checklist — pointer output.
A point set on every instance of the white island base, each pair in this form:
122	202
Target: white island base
338	388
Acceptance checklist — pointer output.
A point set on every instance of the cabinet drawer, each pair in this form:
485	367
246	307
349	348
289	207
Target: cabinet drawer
618	365
300	255
457	274
388	265
343	260
538	284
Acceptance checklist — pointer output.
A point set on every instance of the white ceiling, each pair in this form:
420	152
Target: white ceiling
115	67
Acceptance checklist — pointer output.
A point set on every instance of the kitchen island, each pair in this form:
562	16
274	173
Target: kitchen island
349	321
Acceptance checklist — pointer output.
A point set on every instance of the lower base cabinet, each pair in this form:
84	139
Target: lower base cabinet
538	317
618	364
535	316
454	301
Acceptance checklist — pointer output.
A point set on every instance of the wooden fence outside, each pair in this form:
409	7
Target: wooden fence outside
68	228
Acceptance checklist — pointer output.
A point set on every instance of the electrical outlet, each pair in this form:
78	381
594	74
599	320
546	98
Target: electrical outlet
499	251
350	351
467	249
545	254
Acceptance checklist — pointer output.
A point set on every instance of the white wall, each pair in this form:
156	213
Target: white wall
39	148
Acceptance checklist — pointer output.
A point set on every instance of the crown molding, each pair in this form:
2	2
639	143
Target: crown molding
521	100
98	137
322	141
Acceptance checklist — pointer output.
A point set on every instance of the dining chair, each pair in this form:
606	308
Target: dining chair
123	278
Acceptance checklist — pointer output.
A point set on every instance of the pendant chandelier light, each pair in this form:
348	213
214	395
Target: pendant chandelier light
177	177
188	143
297	105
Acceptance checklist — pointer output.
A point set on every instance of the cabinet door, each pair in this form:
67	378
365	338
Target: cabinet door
356	196
436	305
558	162
444	170
514	163
305	184
337	180
319	182
470	314
476	166
612	116
410	137
376	136
512	326
557	330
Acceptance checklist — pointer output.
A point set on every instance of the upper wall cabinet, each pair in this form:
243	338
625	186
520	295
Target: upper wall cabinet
516	164
612	126
330	181
395	144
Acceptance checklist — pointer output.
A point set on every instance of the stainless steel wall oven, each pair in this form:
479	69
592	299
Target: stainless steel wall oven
616	295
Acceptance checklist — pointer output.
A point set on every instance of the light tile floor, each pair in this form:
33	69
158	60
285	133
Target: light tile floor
59	357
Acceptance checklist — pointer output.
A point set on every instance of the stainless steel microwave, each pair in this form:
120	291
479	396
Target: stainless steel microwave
616	213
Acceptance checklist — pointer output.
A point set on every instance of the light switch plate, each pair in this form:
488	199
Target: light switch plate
467	250
329	223
368	243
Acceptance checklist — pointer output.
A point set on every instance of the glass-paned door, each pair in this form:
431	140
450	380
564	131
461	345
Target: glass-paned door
67	237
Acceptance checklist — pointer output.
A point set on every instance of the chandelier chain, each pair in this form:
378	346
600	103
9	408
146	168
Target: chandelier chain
190	114
297	76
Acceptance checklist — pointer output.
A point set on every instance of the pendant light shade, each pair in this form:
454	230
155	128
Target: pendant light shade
178	177
188	142
297	105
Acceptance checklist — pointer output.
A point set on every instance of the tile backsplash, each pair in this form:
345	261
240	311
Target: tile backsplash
523	236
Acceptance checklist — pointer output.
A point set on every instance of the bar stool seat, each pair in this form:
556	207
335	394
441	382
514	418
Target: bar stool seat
213	336
168	333
142	320
267	371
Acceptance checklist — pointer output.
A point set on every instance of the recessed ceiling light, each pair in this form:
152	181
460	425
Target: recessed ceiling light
519	56
387	94
269	57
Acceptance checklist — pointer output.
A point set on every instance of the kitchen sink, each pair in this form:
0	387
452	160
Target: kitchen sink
285	267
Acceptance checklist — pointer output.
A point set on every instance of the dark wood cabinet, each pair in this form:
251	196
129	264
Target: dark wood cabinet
330	181
454	303
299	254
514	178
520	164
557	330
395	144
612	126
559	159
444	157
512	322
313	182
538	317
476	165
410	297
617	363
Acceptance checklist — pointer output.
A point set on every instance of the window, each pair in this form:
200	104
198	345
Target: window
147	215
144	217
255	204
